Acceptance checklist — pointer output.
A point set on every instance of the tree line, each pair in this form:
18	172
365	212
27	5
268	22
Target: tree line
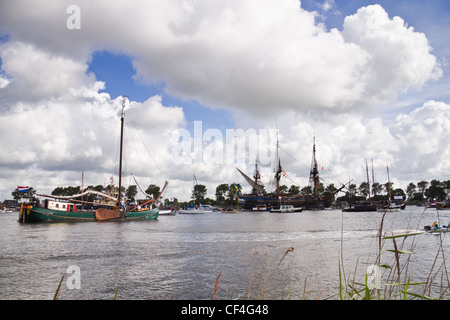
226	194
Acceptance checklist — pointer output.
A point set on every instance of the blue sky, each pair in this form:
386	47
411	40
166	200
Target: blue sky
429	17
373	89
118	73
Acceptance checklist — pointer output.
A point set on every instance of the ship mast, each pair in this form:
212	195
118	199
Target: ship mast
122	118
314	179
389	184
278	170
368	180
257	178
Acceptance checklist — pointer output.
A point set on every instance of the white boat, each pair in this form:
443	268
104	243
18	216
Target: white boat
197	209
191	211
167	212
287	208
392	207
436	228
260	208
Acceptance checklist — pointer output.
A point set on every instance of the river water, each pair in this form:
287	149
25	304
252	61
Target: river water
180	257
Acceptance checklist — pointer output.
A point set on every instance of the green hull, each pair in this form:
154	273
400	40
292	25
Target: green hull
36	214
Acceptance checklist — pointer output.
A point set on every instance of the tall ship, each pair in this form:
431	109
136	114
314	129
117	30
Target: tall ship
65	209
260	200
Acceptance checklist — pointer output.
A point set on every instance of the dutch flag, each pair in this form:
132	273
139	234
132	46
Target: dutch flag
23	189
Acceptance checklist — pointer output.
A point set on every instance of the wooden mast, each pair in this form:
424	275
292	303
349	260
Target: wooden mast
389	184
122	118
314	173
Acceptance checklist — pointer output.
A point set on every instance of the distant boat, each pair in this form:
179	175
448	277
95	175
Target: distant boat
228	210
68	211
259	199
389	206
260	208
191	211
443	205
362	206
286	208
436	228
167	212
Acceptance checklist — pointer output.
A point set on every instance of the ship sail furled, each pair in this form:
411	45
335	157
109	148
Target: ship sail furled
89	191
314	179
278	169
254	184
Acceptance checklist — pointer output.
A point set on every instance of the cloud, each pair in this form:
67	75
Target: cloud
422	136
58	123
400	58
327	5
36	75
268	62
255	55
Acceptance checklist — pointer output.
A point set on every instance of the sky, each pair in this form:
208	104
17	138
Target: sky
212	86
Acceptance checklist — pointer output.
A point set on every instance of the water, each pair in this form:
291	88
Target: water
180	257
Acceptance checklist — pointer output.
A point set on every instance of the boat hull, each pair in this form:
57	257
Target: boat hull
36	214
191	211
249	202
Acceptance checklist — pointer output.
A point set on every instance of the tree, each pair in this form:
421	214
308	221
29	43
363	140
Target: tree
283	189
66	191
446	186
232	191
436	190
306	191
330	191
294	189
199	193
410	190
153	190
131	192
377	188
364	189
221	191
92	197
422	185
26	195
387	186
352	190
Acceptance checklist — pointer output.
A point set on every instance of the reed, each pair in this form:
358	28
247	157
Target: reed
395	281
388	277
261	280
58	290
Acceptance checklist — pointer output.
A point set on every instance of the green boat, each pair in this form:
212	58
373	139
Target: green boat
68	211
30	213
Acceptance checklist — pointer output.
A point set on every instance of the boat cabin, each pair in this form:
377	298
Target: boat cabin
60	206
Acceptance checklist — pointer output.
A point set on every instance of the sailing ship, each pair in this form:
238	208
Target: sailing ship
68	211
194	208
258	198
389	206
362	206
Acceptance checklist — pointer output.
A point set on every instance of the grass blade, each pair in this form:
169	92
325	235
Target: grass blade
55	297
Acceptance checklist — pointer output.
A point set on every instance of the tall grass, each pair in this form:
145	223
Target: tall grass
394	263
388	277
391	269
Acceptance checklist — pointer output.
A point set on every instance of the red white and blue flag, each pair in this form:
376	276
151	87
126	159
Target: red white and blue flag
23	189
